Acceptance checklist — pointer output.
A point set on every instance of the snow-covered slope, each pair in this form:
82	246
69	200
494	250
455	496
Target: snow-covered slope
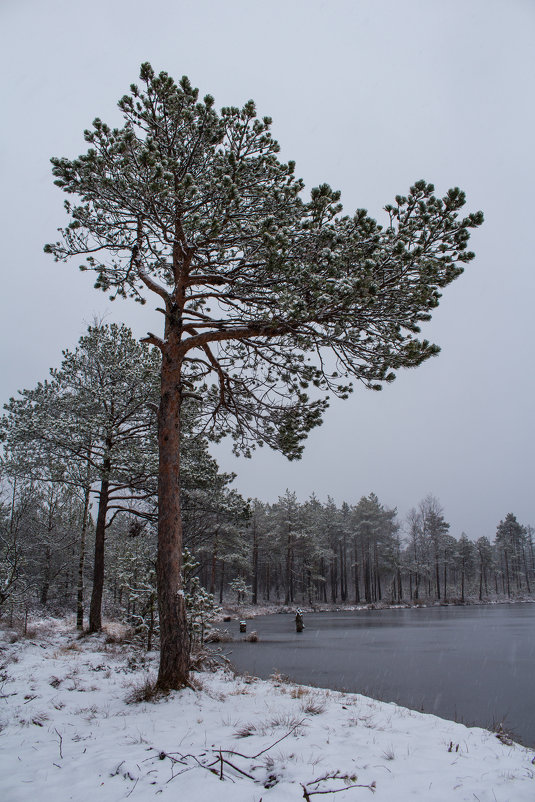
68	733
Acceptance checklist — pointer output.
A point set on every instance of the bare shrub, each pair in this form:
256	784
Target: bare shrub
279	679
218	636
503	734
117	633
204	660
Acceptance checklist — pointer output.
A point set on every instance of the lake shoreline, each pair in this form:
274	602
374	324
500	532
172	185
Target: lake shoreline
250	611
472	663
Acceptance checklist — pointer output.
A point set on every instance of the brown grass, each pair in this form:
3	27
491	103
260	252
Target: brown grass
145	690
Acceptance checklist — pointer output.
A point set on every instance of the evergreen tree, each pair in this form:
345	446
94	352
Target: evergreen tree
485	560
92	426
434	528
376	529
465	559
511	545
256	283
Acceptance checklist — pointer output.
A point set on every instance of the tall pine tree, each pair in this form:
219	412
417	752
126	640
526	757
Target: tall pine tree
256	283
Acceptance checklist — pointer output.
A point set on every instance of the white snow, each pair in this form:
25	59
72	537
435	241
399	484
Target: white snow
68	733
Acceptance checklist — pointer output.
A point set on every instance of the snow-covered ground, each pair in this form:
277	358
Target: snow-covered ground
69	732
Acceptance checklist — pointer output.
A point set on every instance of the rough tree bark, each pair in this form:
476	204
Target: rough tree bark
95	609
81	563
174	636
255	564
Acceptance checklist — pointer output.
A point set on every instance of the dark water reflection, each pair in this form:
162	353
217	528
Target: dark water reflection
471	664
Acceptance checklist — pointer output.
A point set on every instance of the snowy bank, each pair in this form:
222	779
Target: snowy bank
69	733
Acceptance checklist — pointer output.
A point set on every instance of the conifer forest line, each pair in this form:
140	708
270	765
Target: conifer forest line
79	509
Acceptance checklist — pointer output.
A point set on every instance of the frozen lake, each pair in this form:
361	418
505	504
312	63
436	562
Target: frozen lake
474	664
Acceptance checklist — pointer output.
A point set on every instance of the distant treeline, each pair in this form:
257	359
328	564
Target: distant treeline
320	553
78	503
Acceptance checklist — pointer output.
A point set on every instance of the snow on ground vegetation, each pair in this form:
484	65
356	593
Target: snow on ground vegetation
74	726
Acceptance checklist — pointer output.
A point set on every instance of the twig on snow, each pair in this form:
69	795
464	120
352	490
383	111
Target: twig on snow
253	757
60	744
307	792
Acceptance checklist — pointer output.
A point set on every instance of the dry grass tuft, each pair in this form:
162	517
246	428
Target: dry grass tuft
313	706
245	730
279	721
71	647
145	690
285	721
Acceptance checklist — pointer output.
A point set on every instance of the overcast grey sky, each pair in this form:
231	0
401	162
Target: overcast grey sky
369	96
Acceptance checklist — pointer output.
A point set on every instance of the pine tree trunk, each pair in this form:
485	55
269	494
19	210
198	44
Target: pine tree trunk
255	564
221	581
366	569
526	571
95	609
174	636
45	587
81	562
437	574
378	591
289	573
356	567
323	574
150	632
334	578
47	571
343	570
309	586
213	565
507	574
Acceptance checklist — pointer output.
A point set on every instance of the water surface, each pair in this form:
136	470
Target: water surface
472	664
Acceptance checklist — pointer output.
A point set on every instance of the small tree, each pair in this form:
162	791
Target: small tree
256	284
201	606
240	587
92	425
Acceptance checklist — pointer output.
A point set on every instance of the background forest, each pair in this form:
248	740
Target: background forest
78	515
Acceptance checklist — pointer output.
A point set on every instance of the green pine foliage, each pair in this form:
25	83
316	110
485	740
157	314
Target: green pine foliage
267	286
